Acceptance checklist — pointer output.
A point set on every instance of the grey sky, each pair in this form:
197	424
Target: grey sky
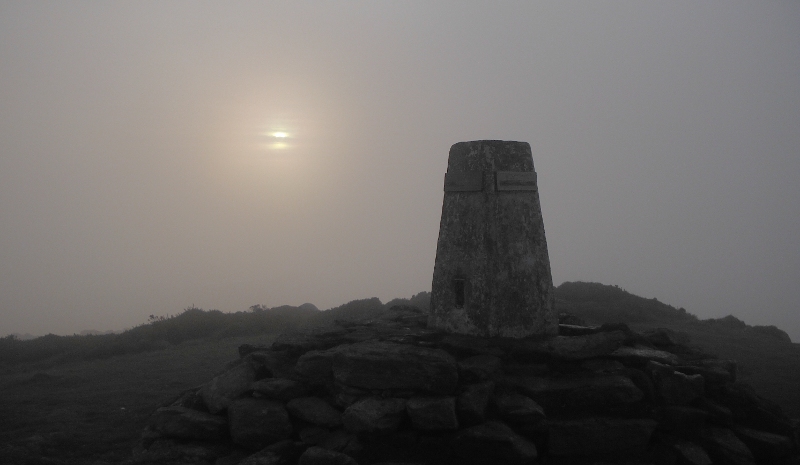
139	172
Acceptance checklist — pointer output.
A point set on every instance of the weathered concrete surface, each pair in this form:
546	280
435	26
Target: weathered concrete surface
492	272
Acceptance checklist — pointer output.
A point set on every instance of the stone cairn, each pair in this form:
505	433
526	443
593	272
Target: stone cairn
487	376
392	390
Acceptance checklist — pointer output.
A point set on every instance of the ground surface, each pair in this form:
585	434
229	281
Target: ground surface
93	412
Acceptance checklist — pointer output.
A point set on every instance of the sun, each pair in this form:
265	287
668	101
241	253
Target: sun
280	134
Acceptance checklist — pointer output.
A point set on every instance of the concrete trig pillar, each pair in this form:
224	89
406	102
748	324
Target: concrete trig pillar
492	272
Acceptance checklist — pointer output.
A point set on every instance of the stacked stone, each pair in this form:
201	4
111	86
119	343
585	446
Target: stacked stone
390	390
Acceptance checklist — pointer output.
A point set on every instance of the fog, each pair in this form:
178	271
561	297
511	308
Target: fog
141	170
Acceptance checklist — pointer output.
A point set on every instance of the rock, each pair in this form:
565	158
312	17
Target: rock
725	447
374	416
274	364
257	423
518	409
578	392
281	389
184	423
728	365
472	402
341	441
383	365
492	442
764	446
575	330
569	347
602	365
711	375
680	451
754	411
639	356
300	342
320	456
596	435
717	414
674	387
315	411
285	452
479	368
663	337
569	319
526	369
313	435
682	419
219	392
316	365
465	345
432	413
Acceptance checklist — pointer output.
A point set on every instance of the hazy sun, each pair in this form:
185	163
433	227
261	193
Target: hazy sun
280	134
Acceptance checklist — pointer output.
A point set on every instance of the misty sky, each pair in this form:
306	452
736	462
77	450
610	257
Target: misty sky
140	172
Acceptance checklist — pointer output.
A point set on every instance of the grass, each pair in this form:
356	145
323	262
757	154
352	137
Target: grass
91	412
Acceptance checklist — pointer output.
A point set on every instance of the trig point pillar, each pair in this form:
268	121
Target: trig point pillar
492	273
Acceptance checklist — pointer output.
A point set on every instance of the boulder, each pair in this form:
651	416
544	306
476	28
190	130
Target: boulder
340	440
725	447
472	402
663	337
257	423
479	368
316	365
466	345
281	389
680	451
432	413
526	369
764	446
493	442
578	392
388	366
602	365
518	409
316	338
640	355
674	387
569	348
374	416
283	452
218	393
597	436
680	419
320	456
712	375
313	435
185	423
315	411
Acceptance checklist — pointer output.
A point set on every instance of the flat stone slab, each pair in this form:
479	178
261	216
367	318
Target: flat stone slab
570	347
374	415
433	413
491	442
578	392
599	435
315	411
388	366
642	355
